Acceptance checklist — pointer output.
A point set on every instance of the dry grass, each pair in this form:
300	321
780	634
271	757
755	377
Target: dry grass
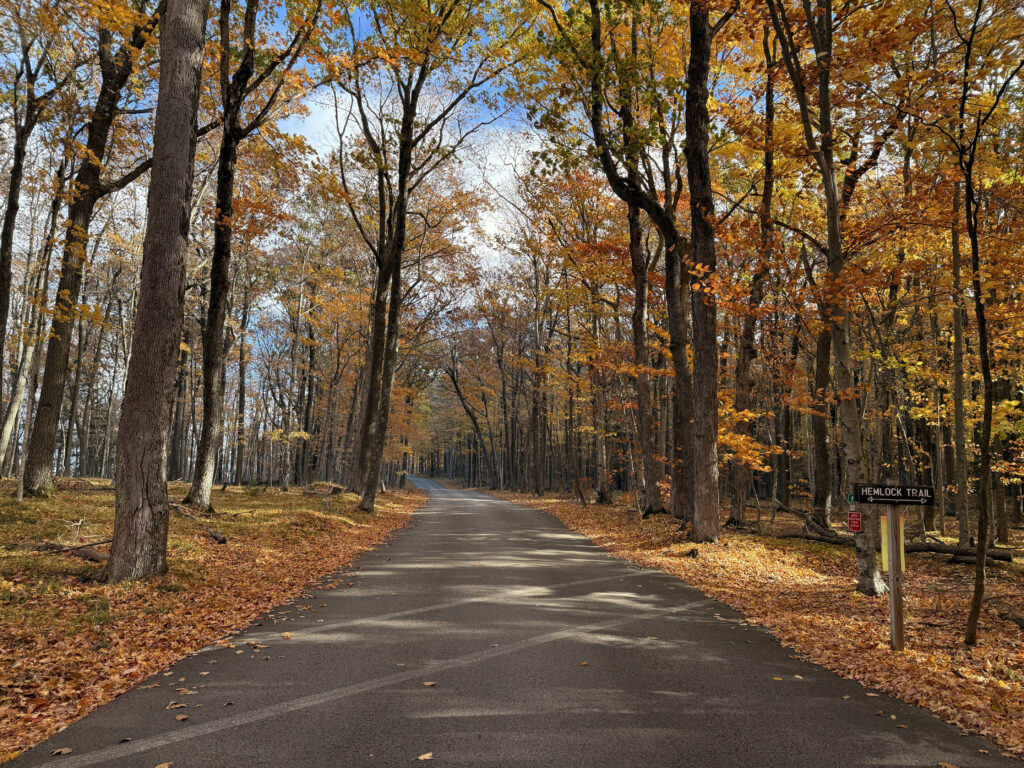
68	645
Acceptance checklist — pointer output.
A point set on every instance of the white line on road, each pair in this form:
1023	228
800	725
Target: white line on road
198	730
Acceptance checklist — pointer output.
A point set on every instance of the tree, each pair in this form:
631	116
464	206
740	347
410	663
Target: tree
41	58
139	547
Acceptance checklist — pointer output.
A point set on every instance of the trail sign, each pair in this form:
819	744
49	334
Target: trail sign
853	522
869	493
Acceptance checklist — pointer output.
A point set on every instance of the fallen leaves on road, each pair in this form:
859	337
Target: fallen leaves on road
68	645
803	592
426	756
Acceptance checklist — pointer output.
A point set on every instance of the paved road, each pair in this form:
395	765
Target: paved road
543	650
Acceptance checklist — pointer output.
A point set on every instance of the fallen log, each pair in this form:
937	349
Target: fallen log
968	560
85	551
941	548
1011	613
964	555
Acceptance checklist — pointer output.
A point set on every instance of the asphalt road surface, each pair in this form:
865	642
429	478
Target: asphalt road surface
487	634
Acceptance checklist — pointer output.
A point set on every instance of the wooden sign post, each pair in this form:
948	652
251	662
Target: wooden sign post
894	496
895	578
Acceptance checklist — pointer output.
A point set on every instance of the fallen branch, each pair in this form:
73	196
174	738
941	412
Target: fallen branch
86	551
969	560
217	536
942	548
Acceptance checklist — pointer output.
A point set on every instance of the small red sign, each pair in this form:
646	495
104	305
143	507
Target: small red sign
853	521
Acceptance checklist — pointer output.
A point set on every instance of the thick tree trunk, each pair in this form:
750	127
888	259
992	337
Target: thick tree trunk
379	427
372	373
706	520
139	547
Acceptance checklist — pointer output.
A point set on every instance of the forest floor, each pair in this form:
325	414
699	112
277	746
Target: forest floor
803	593
69	645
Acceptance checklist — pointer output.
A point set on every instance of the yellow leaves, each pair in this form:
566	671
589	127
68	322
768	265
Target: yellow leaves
426	756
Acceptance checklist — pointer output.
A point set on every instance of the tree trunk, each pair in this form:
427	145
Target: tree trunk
214	348
822	500
706	520
139	547
642	362
240	416
959	417
21	135
379	428
985	447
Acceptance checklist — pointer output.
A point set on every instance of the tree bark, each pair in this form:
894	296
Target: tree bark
214	348
139	547
959	417
640	263
706	519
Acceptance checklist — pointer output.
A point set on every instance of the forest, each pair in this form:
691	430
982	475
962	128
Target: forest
713	260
